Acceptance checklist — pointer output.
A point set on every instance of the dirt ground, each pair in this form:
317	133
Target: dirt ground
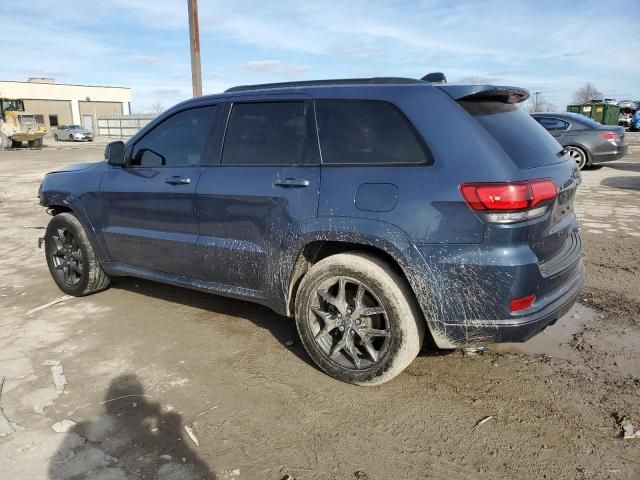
261	410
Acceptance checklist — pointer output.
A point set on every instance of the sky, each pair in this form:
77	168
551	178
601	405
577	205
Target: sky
549	46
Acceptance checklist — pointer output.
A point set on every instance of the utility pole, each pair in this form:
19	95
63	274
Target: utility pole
194	37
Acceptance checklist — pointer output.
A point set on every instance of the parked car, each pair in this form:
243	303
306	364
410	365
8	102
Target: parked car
73	133
635	121
351	205
588	142
628	104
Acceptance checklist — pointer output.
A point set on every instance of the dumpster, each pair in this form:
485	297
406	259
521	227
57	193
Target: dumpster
603	113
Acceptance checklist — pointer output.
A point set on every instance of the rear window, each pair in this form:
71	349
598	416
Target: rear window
367	132
525	141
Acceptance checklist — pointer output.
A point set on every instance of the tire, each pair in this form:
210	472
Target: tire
5	142
70	257
15	144
579	155
55	137
366	348
32	143
39	142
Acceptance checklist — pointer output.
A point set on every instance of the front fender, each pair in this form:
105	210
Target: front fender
71	190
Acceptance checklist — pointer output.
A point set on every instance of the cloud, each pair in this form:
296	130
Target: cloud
275	67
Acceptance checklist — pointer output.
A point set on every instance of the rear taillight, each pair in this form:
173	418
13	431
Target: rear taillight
508	202
612	137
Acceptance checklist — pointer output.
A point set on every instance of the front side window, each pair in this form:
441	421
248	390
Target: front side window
367	132
177	141
269	133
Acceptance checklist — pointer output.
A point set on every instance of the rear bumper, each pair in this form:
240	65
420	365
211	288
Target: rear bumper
464	295
616	152
525	326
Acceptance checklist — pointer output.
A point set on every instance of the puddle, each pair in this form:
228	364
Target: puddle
554	340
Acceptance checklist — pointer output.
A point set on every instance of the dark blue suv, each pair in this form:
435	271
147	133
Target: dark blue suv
374	211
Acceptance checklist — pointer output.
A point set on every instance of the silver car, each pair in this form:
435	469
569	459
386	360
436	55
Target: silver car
73	133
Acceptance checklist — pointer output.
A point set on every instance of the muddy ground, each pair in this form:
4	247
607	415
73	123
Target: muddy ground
556	402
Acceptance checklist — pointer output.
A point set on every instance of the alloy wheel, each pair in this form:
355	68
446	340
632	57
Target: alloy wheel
66	257
349	323
577	156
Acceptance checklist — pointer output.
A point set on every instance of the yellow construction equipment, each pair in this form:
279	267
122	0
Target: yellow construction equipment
17	127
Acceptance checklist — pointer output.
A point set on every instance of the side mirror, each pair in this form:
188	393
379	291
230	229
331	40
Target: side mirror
114	153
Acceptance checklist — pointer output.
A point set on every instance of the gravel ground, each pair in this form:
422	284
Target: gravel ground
260	410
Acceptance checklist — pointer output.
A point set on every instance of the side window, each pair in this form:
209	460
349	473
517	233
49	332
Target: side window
367	132
268	133
177	141
552	123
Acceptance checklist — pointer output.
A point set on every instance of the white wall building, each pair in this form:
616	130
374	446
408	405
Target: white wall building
63	104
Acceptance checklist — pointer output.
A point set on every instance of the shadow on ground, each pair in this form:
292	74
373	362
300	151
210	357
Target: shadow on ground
626	166
626	183
133	438
282	328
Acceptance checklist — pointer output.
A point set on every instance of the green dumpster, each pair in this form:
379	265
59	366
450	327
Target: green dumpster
600	112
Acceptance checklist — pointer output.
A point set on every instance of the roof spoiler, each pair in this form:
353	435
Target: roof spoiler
434	77
485	92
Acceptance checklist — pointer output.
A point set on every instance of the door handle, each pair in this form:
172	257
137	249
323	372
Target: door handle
178	180
291	182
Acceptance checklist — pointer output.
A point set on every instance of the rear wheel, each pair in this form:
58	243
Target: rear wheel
578	155
70	257
357	319
5	142
32	143
55	137
15	144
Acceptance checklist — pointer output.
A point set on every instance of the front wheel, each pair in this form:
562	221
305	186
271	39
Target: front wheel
5	142
357	319
70	257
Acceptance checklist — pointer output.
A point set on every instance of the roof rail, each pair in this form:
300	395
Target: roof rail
320	83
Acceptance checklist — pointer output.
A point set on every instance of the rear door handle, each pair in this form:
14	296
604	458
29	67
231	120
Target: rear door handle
291	182
178	180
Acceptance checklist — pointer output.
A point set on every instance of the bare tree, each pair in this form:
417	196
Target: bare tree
586	93
538	103
157	108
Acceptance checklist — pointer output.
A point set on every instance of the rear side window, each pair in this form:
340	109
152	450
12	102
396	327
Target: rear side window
552	123
367	132
177	141
269	133
526	142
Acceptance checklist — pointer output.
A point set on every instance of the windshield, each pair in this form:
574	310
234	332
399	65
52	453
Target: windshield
12	105
526	142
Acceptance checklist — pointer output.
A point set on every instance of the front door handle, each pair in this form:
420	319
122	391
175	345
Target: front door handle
178	180
291	182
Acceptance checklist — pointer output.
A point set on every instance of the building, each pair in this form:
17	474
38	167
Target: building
56	104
